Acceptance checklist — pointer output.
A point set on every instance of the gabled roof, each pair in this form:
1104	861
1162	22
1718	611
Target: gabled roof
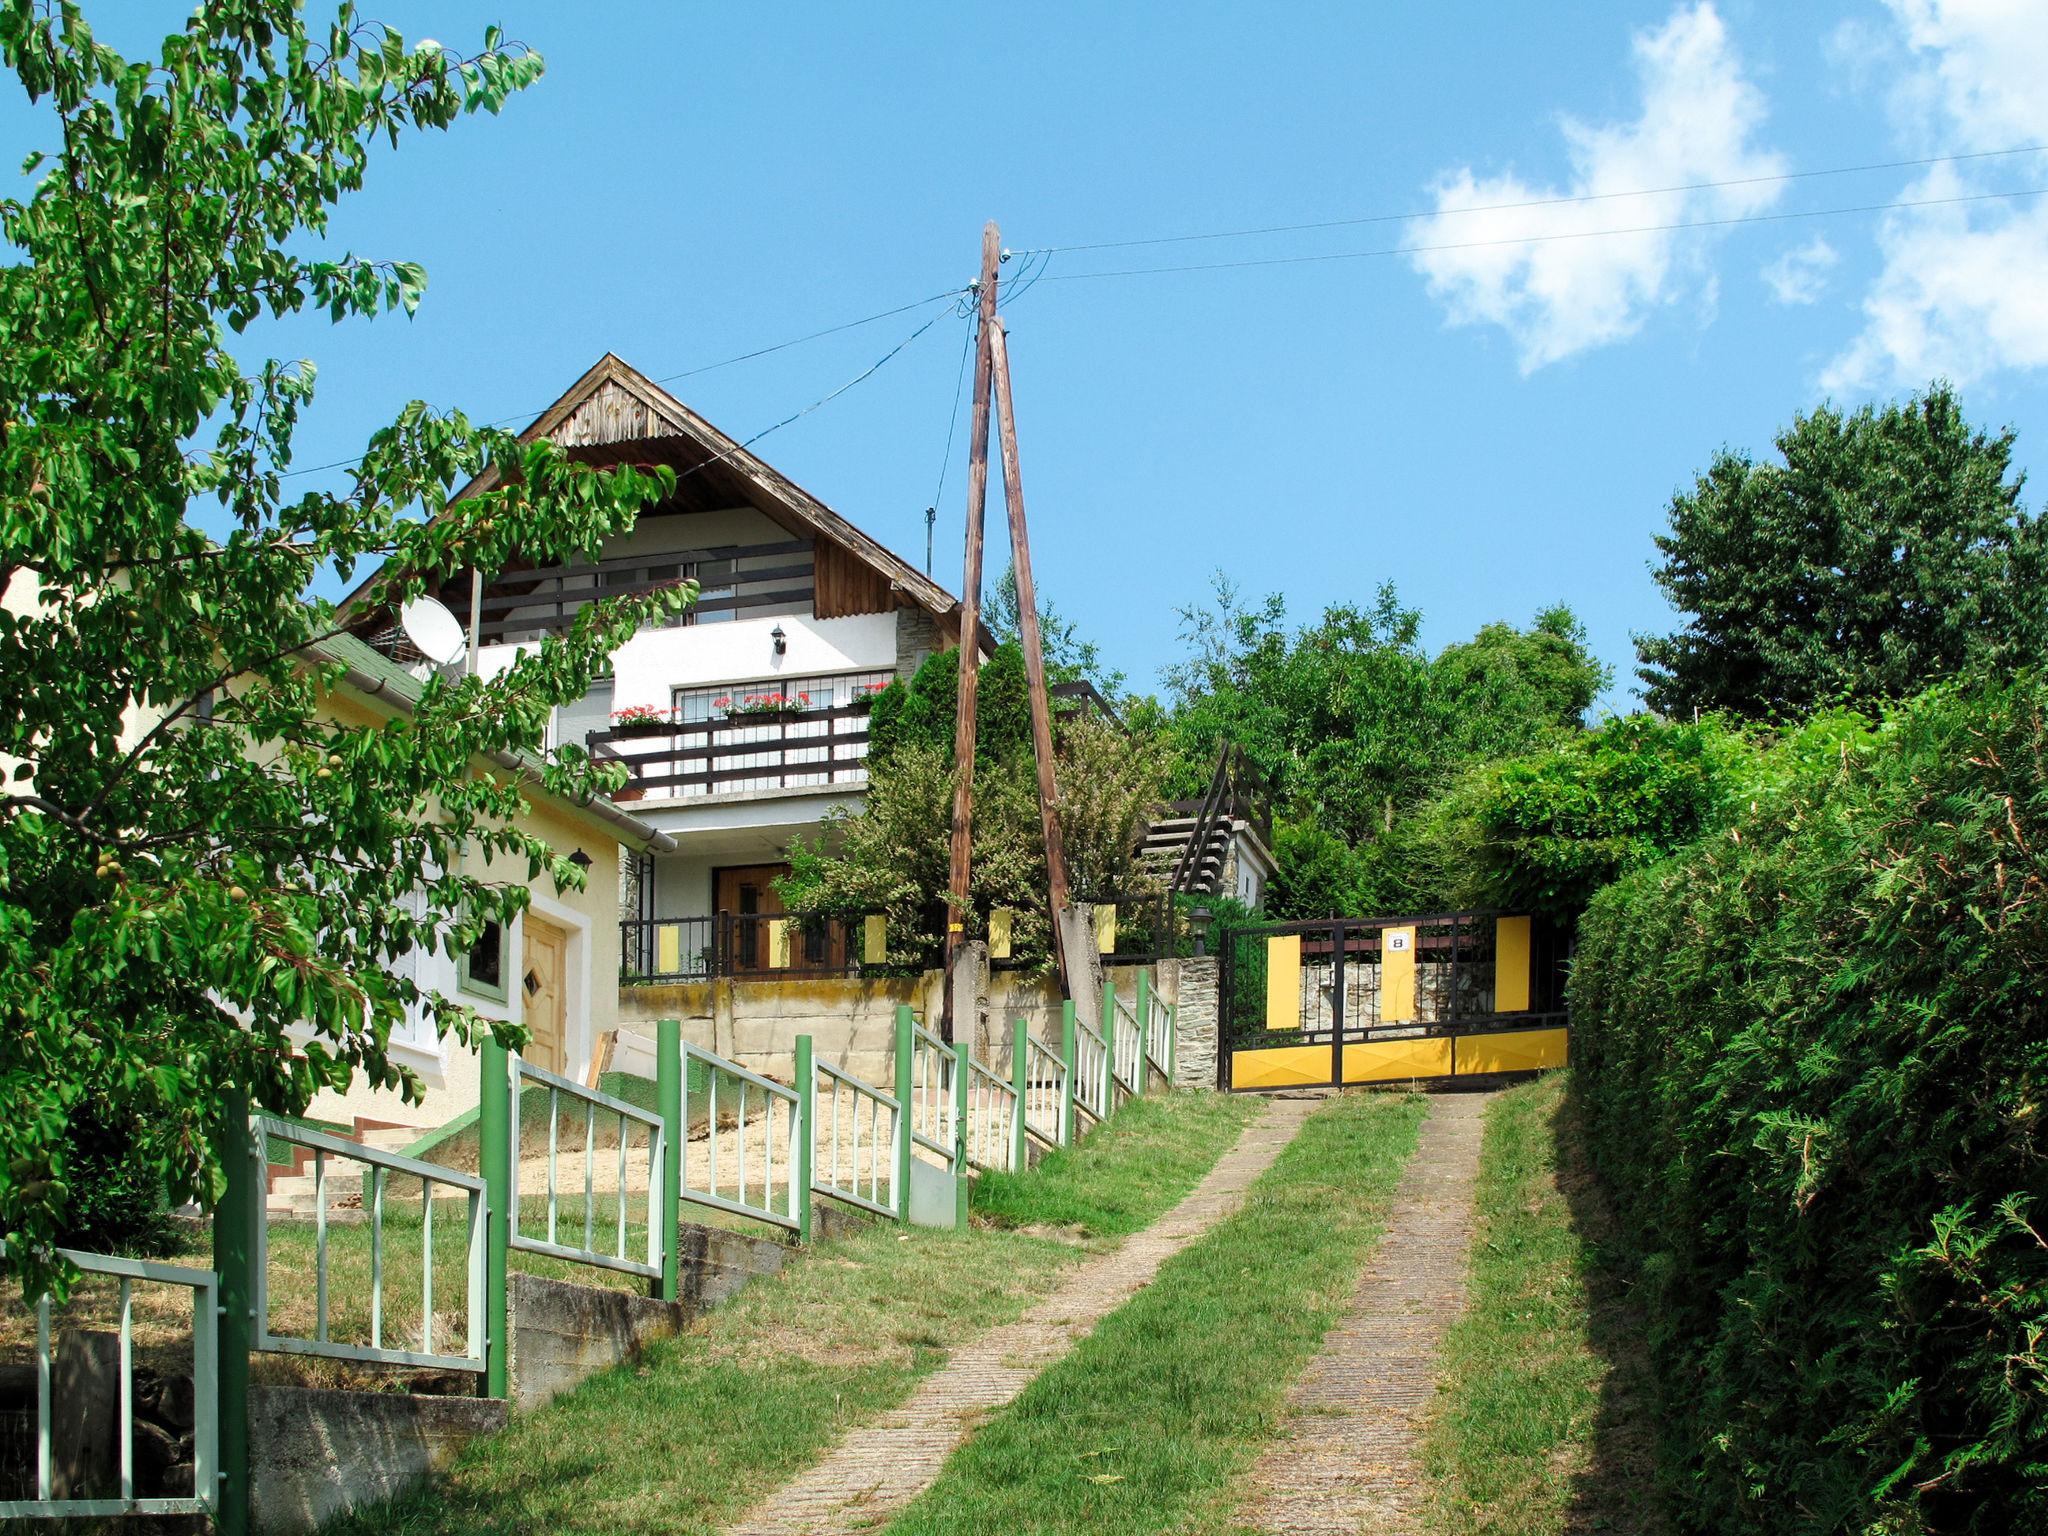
615	413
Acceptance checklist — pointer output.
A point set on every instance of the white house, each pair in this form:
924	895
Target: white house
744	721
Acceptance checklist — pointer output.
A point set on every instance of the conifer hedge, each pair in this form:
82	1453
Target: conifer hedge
1812	1052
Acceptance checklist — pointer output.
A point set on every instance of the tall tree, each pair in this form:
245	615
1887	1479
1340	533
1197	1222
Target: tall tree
1888	549
202	877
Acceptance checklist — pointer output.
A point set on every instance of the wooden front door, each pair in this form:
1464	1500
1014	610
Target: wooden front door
543	977
748	892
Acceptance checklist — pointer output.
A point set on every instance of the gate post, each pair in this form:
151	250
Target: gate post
1337	1000
234	1261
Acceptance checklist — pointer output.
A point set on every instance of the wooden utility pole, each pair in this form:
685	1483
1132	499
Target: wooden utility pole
970	619
1034	656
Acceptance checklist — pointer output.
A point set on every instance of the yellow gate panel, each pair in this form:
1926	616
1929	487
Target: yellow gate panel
1511	965
668	949
1284	1066
1522	1050
1386	1061
1397	976
1283	984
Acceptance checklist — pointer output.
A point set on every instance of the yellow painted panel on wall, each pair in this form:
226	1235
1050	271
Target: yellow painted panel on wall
668	949
1521	1050
1397	975
778	944
1511	965
1283	983
999	923
1105	928
1286	1066
1387	1061
874	940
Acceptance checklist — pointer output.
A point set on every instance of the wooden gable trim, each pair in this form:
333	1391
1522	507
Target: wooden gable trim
847	584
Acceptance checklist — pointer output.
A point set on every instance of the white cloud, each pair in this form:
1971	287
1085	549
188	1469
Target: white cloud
1800	275
1564	295
1960	294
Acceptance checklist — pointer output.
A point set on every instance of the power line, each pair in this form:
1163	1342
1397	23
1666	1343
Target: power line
1580	234
1537	202
780	346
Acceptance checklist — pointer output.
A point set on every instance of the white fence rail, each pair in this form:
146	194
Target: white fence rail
746	1161
1159	1034
1091	1060
991	1119
1045	1092
378	1170
931	1095
205	1424
621	1121
845	1164
1124	1042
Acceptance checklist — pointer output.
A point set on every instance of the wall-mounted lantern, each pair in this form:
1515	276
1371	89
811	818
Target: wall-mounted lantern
779	640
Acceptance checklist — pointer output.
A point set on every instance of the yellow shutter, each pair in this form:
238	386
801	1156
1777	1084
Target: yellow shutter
1283	981
1511	975
1397	975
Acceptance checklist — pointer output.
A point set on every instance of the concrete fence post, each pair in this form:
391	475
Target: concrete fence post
906	1059
234	1260
669	1100
494	1133
803	1163
1070	1050
1020	1081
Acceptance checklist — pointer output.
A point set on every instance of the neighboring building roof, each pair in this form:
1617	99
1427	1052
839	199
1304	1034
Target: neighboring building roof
375	676
616	414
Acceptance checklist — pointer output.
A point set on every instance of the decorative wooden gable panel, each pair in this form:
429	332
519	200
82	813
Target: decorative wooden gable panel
847	584
613	414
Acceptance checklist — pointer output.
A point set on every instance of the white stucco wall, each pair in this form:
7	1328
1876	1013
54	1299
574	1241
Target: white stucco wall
647	668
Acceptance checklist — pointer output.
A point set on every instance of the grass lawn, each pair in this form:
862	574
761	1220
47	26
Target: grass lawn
701	1426
1543	1420
1148	1423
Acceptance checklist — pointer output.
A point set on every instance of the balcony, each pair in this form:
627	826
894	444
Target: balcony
764	749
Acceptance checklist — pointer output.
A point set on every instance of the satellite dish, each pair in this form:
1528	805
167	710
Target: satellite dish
434	631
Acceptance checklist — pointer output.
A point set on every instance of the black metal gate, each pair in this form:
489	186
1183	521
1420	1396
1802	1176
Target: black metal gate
1364	1000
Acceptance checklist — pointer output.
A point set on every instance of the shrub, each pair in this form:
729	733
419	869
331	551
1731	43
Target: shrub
1813	1051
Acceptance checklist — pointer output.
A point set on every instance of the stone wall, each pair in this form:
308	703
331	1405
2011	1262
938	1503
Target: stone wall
1191	985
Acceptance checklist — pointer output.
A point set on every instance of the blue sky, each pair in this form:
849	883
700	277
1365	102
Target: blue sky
1493	429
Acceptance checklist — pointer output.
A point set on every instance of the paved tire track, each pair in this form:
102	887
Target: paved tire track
877	1469
1347	1459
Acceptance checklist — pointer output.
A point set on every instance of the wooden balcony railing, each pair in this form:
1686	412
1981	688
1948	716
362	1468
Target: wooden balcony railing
525	605
813	748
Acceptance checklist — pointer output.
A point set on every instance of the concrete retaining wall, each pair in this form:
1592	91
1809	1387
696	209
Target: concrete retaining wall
316	1453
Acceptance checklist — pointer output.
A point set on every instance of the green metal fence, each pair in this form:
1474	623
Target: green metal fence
762	1149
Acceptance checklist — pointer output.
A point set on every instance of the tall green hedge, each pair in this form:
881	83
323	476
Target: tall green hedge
1812	1051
